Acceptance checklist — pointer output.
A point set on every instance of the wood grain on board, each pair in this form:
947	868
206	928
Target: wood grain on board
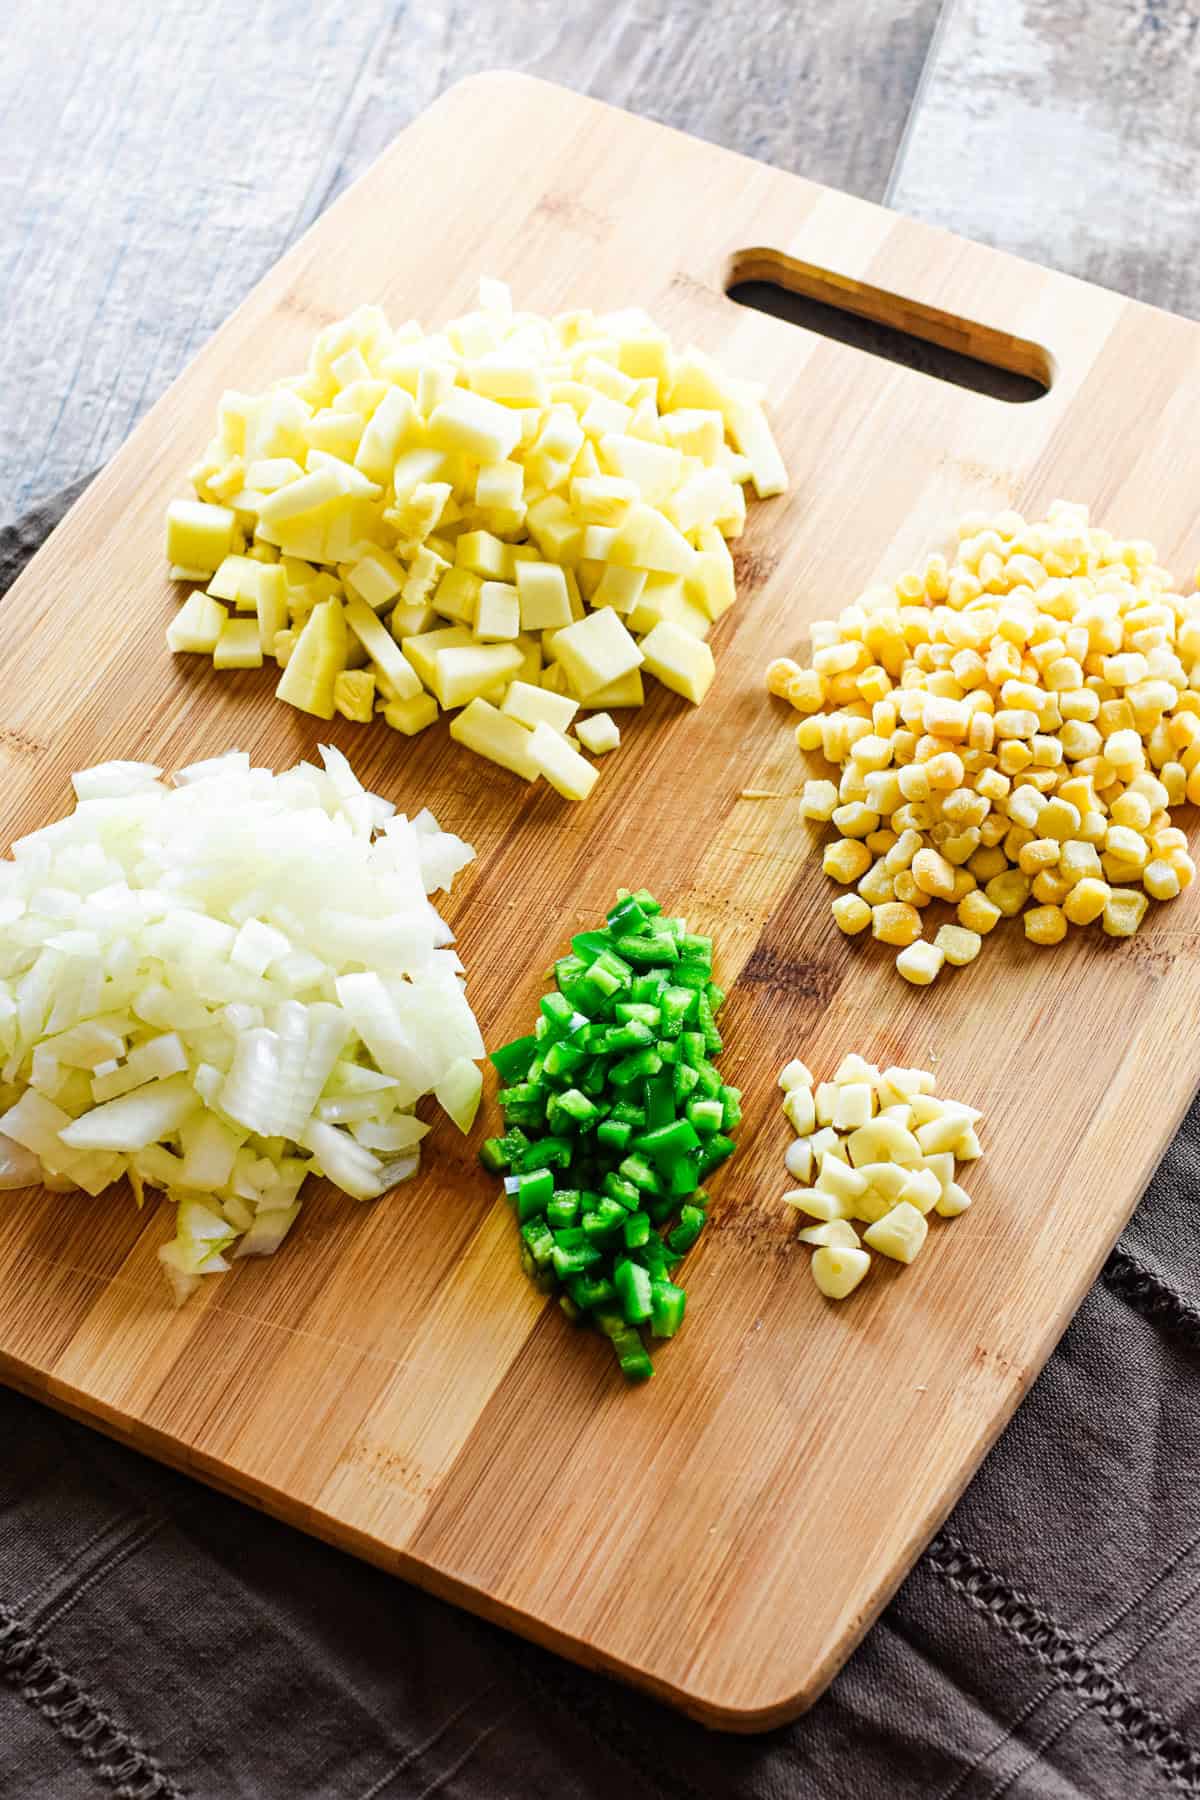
390	1382
154	165
1065	130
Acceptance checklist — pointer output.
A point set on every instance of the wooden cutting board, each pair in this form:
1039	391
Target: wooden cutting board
390	1382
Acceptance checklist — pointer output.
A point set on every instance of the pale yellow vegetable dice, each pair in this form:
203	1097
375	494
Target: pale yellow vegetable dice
839	1179
474	426
818	800
318	658
854	1105
531	706
490	733
1045	925
198	534
544	600
464	673
679	660
498	613
794	1074
397	676
354	695
900	1233
568	773
421	651
798	1160
597	651
599	733
921	1189
411	716
239	645
954	1200
197	625
838	1269
626	691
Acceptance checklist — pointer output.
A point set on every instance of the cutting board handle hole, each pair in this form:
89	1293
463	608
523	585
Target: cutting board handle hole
902	331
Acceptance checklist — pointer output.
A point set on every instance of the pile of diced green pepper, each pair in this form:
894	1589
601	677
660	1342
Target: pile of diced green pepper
614	1113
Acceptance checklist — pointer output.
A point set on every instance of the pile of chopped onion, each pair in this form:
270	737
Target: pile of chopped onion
223	985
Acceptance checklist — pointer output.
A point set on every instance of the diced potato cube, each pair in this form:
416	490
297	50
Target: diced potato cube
619	588
477	427
198	534
197	625
900	1233
599	733
596	651
399	678
376	577
922	1189
884	1140
461	674
646	540
498	614
317	660
795	1074
545	603
492	734
485	555
411	716
239	645
680	661
568	773
837	1269
826	1098
385	432
627	690
422	650
531	706
354	695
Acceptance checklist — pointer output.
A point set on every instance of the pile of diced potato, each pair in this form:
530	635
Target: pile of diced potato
877	1147
506	520
1011	726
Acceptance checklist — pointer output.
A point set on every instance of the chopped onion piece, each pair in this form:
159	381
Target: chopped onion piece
221	983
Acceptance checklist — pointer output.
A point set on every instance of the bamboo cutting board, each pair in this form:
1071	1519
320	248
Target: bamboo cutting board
390	1382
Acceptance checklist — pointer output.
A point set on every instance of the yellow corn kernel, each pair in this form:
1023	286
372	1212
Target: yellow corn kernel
894	922
1078	860
1009	891
977	913
806	691
880	842
1183	866
818	800
1130	846
808	733
961	845
1045	925
1160	879
920	963
1124	912
780	674
914	782
855	820
852	914
901	854
1041	854
1086	900
905	888
987	861
958	944
846	860
944	771
933	874
874	683
1051	887
877	886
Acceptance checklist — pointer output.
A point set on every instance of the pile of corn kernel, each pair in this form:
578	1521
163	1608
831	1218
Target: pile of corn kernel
507	520
1012	727
883	1149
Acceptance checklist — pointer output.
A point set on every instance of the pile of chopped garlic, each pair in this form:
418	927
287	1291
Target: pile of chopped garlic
1011	726
883	1151
507	520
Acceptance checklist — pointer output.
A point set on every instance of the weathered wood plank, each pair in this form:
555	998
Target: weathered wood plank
151	174
1065	132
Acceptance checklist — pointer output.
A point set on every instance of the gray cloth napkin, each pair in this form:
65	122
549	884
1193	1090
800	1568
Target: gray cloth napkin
158	1640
